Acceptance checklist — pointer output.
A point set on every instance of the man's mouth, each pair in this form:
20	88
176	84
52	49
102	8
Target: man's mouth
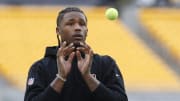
78	37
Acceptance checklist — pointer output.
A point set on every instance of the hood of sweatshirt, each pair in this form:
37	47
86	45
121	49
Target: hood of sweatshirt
51	51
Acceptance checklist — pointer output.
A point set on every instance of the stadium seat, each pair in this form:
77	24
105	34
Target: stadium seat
26	31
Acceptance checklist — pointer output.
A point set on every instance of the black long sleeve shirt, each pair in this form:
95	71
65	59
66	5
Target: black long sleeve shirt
44	71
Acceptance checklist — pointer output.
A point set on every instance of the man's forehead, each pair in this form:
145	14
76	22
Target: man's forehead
74	15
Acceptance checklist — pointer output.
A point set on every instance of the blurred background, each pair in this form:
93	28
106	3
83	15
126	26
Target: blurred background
144	41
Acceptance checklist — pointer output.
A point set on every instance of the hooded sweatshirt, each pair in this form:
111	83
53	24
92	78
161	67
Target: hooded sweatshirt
104	68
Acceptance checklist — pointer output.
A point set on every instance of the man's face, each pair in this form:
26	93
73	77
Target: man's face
73	28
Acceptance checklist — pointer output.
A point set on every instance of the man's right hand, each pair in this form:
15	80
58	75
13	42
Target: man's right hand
64	65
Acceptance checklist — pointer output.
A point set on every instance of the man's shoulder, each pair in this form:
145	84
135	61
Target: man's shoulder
103	58
103	61
103	65
41	64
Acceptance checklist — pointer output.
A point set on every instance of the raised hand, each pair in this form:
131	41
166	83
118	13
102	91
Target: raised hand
64	65
84	64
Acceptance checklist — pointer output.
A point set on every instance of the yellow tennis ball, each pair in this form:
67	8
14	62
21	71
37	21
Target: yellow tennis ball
111	13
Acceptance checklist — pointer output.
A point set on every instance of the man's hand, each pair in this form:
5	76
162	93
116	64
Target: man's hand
84	64
64	65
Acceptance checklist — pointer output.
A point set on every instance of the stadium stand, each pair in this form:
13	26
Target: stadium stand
26	31
164	25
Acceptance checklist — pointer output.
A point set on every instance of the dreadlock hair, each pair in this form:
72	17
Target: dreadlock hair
67	10
63	12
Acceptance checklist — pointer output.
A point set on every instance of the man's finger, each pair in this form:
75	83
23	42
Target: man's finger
78	54
64	44
58	52
90	57
67	50
88	46
69	46
71	56
71	49
91	52
81	49
83	45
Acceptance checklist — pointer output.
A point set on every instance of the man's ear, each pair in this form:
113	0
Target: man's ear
58	30
86	31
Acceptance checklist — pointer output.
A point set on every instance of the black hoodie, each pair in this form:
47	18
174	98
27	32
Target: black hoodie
44	71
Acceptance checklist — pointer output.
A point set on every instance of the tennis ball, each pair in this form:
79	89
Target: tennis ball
111	13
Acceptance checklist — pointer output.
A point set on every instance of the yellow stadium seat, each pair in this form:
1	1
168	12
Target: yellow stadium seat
164	25
26	31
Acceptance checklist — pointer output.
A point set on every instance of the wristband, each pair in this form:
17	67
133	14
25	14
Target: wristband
61	78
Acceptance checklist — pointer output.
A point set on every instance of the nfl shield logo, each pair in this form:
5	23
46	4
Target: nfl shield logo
31	81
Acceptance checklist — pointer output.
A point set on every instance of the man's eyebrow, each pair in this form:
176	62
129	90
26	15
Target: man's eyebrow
71	19
83	20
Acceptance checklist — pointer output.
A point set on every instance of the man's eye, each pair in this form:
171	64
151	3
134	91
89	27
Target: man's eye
69	24
82	24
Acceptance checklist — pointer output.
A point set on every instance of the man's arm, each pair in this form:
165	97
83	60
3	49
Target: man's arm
92	82
38	91
36	87
112	89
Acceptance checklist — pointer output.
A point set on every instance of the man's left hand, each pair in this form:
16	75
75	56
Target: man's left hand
84	64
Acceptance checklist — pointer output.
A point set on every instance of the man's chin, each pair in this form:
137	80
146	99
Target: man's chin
77	43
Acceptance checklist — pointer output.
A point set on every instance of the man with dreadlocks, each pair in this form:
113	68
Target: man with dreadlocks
71	71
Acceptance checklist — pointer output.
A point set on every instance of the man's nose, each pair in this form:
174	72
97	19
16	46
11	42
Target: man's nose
77	27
